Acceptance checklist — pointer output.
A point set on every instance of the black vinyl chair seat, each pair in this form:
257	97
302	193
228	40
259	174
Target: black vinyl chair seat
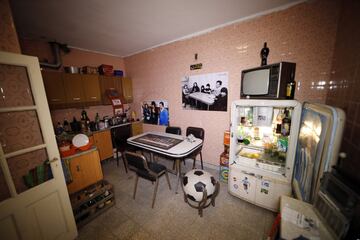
159	169
148	170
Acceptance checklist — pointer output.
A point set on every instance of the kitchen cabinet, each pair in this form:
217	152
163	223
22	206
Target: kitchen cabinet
106	83
127	89
136	128
91	86
122	84
73	88
54	87
85	170
103	142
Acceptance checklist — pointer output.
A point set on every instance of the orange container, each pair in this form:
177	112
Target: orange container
227	138
87	146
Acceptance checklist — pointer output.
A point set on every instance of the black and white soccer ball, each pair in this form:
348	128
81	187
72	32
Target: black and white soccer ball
194	183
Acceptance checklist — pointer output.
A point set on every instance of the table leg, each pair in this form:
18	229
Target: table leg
178	173
208	107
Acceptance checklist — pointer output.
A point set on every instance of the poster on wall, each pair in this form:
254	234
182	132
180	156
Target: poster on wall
207	92
155	112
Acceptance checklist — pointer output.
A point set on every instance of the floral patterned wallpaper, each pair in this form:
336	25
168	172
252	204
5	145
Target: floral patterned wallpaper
8	37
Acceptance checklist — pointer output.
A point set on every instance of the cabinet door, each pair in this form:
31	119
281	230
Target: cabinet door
54	87
136	128
73	88
127	89
91	169
106	83
91	88
266	193
76	174
243	185
85	170
104	144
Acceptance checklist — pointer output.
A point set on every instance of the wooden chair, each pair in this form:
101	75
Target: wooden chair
198	133
151	171
119	137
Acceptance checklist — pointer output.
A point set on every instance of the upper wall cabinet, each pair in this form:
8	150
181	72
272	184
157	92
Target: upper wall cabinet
71	90
91	89
106	83
122	84
55	91
79	90
127	89
74	89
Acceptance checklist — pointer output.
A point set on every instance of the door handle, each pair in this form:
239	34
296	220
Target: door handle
53	160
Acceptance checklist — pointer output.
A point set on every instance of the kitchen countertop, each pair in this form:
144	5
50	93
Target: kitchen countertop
119	125
79	153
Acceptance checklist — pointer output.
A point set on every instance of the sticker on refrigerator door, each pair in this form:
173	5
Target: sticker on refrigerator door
246	184
265	186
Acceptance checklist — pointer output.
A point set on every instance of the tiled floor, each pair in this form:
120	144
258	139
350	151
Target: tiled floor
172	218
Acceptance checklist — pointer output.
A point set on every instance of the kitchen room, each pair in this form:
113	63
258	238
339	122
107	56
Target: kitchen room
311	34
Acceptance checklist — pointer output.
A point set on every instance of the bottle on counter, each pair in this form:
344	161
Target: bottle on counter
66	125
97	121
286	123
84	120
59	129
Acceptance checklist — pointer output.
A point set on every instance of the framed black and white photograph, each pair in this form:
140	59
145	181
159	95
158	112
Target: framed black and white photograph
155	112
207	92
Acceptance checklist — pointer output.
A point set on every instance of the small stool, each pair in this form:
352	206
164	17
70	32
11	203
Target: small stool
200	189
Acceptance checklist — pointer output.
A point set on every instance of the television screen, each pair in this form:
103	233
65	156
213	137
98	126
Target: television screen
256	82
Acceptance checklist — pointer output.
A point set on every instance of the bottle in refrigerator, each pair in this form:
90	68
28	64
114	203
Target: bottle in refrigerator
286	123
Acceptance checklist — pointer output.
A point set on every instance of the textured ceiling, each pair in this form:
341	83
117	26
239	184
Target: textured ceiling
125	27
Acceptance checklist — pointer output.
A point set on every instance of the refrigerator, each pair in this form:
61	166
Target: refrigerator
281	147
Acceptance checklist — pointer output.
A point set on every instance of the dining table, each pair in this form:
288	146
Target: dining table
172	146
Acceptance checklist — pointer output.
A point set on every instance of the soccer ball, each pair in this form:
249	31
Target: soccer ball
194	183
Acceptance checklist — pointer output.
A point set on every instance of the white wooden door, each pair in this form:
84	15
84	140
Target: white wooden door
34	202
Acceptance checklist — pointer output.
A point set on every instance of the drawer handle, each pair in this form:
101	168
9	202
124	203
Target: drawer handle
76	99
55	99
78	168
93	97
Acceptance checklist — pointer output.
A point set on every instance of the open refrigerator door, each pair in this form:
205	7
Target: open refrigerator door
320	135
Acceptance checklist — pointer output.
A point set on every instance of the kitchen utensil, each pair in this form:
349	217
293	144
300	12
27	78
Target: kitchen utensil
80	140
71	69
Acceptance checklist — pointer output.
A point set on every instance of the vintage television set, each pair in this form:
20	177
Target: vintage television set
267	82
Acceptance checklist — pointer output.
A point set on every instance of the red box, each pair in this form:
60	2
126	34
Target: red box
106	70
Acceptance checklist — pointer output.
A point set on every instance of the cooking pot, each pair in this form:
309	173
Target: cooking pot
71	69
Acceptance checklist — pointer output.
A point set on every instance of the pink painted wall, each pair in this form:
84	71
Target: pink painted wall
8	37
304	34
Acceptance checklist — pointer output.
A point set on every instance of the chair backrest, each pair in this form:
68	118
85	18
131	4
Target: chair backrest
136	161
120	134
173	130
197	132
